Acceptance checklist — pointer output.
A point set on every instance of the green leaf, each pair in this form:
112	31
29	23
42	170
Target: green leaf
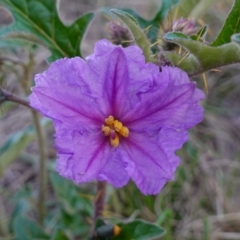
69	195
202	57
13	147
154	23
201	34
165	7
171	36
71	202
139	230
40	19
230	27
138	34
159	17
236	38
27	229
59	235
99	223
203	31
190	64
15	144
22	202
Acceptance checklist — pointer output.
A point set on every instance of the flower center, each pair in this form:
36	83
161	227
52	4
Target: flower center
114	128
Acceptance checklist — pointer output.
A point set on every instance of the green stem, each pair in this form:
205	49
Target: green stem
42	167
26	84
6	96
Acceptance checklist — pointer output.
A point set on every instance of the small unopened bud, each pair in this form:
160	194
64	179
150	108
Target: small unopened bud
185	26
119	34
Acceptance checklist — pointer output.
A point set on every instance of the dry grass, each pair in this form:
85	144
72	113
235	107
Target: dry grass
204	201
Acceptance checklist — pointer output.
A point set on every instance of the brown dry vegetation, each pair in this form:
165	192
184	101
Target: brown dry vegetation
204	200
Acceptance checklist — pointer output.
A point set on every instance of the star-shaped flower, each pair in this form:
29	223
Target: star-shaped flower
117	117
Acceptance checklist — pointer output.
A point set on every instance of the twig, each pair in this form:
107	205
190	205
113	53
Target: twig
6	96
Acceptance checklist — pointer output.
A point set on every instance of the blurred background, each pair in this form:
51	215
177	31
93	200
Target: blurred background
204	200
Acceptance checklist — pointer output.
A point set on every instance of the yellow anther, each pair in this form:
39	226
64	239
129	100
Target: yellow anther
109	121
117	125
112	129
114	141
124	131
106	130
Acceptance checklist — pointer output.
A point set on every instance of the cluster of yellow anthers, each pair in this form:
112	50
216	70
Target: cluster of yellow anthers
113	128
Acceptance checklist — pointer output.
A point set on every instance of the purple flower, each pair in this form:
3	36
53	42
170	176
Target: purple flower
117	117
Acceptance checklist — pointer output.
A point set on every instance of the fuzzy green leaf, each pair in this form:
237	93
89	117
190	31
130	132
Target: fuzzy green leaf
202	57
165	7
236	38
189	64
201	34
27	229
40	18
171	36
137	33
154	23
230	27
15	144
139	230
59	235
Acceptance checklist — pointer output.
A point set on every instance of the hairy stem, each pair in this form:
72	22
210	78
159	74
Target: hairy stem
6	96
42	168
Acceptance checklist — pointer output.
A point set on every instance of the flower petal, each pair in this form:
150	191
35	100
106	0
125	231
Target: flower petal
115	169
81	155
174	103
122	73
152	166
172	139
110	64
63	93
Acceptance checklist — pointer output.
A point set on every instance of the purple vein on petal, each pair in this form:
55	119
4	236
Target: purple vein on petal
157	109
70	107
115	82
95	154
149	156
